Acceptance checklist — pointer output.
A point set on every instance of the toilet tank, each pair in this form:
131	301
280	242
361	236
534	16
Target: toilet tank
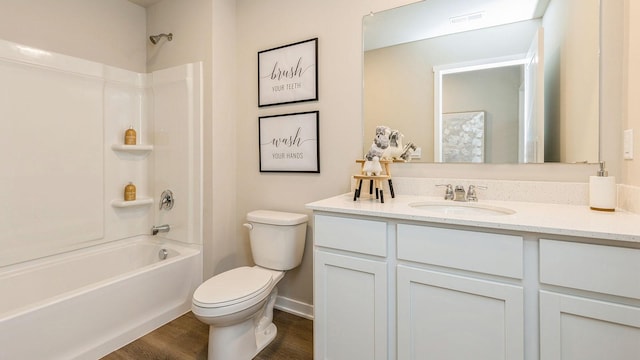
277	238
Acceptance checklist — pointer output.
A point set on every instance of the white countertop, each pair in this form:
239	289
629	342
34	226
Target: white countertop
569	220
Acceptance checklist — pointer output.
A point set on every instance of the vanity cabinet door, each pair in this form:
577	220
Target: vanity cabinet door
350	305
577	328
446	316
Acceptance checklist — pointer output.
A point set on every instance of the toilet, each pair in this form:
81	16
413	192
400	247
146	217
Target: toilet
238	304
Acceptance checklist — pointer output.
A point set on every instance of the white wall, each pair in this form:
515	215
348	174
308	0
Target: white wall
110	32
262	25
631	168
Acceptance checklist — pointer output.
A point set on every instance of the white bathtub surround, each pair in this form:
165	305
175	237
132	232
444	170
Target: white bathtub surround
111	294
62	117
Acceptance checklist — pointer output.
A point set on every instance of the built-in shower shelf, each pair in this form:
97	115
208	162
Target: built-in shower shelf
132	148
125	204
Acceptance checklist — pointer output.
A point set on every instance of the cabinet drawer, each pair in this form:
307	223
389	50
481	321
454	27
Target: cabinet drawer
495	254
362	236
599	268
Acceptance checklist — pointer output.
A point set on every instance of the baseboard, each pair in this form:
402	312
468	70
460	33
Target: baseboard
294	307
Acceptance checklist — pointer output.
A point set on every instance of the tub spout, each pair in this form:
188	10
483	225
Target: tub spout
160	228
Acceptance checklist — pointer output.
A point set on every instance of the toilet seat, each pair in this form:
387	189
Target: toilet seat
232	287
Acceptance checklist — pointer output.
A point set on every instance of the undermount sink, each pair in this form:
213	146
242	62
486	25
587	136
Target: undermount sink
460	208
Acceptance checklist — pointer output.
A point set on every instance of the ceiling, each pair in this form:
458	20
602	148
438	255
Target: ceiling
431	18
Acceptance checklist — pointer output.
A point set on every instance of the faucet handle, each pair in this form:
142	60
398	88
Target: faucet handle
471	193
166	200
448	195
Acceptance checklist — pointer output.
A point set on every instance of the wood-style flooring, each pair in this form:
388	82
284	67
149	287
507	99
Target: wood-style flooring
186	339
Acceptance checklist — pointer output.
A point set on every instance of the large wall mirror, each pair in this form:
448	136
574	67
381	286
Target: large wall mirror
486	81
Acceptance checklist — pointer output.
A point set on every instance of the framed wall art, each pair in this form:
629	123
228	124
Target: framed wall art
288	74
463	137
290	142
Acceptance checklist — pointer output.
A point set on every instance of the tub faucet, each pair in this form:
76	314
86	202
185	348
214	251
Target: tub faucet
160	228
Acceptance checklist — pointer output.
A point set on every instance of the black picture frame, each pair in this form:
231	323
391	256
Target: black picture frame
290	142
288	74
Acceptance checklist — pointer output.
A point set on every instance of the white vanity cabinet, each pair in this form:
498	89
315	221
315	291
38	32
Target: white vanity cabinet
590	301
447	306
404	289
350	289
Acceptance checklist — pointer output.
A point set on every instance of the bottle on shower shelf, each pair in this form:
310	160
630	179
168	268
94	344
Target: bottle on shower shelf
129	192
130	136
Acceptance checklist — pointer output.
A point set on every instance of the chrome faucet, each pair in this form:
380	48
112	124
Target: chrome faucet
471	193
160	228
459	194
448	195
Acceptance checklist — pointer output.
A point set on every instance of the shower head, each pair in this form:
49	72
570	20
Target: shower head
155	38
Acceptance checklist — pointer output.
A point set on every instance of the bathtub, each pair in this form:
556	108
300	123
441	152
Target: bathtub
88	303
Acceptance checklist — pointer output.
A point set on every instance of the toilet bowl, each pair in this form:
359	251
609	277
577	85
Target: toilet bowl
238	304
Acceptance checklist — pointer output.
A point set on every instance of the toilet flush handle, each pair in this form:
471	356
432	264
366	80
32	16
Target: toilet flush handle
248	226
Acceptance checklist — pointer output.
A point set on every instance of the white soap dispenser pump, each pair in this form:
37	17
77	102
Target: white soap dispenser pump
602	191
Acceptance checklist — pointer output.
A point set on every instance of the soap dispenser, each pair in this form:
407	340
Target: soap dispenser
602	190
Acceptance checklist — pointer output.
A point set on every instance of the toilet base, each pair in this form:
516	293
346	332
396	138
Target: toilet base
265	337
244	340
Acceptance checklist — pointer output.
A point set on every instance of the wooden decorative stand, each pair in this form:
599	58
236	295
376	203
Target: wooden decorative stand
374	180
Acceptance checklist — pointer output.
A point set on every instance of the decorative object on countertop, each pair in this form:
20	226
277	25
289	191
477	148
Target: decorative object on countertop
372	167
130	136
385	149
602	190
395	148
378	147
129	192
375	181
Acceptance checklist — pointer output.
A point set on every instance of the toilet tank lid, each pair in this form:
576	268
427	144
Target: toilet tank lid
276	217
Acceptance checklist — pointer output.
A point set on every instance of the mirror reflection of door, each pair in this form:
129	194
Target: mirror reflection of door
532	123
492	86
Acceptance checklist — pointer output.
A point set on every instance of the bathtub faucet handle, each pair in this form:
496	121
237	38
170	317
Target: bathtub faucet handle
166	200
160	228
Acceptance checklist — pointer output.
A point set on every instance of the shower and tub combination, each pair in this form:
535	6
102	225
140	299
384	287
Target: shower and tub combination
80	272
